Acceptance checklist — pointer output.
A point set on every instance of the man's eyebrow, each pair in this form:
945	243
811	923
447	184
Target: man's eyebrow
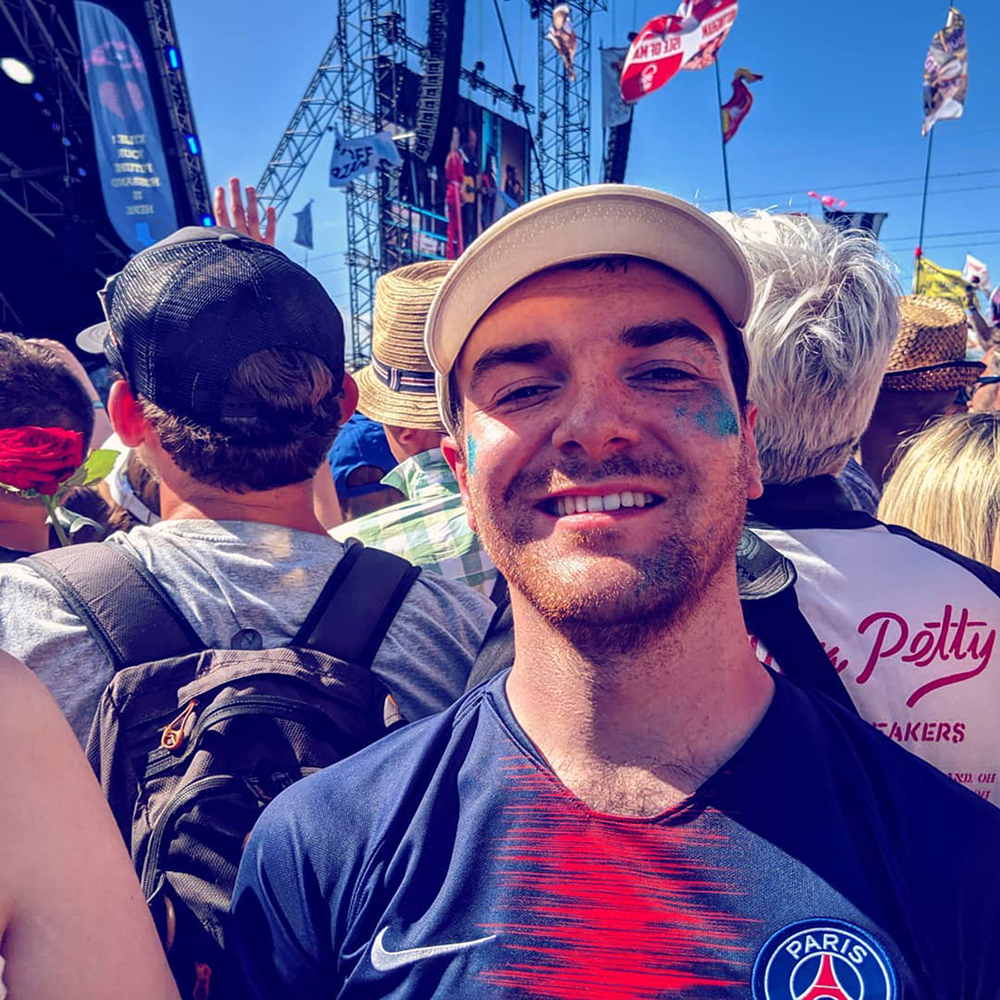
651	334
519	354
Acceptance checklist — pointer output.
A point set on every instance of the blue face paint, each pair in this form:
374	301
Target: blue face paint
470	451
717	418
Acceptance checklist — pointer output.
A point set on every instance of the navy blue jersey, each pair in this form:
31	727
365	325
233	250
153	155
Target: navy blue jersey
821	863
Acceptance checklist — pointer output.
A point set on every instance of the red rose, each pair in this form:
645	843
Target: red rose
39	458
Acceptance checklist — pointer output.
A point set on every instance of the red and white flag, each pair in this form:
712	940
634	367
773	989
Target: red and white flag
705	56
738	106
668	42
977	274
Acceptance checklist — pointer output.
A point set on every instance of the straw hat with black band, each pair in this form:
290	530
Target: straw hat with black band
929	353
397	388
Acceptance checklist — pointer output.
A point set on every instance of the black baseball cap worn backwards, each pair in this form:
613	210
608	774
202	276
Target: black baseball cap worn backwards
184	312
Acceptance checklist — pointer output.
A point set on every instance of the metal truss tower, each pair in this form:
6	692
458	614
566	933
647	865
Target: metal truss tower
175	92
354	88
312	119
373	32
562	139
357	87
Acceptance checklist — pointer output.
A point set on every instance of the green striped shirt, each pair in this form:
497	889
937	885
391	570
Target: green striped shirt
429	527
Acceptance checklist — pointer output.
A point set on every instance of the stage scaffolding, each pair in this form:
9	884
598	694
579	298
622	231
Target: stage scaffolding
562	138
356	89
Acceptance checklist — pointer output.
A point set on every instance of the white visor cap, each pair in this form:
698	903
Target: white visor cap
598	220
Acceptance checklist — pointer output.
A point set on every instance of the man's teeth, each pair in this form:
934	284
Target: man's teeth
591	504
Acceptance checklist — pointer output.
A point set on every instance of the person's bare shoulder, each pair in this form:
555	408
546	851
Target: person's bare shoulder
65	874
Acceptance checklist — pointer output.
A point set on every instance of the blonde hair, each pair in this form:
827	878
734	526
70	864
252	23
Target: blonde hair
946	486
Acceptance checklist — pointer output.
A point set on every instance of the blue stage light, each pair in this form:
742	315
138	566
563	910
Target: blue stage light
192	143
207	220
81	172
173	57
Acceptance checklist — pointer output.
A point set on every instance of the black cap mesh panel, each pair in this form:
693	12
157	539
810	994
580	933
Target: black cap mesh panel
188	312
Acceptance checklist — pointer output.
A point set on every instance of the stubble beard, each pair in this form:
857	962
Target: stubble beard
630	600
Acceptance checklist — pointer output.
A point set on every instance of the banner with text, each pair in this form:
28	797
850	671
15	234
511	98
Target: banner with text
130	157
669	42
354	157
940	282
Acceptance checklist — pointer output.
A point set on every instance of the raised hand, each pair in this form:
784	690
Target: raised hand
246	221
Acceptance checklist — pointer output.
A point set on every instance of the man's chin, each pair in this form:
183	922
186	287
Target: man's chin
607	592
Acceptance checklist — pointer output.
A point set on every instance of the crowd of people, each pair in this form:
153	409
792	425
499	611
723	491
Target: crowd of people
625	628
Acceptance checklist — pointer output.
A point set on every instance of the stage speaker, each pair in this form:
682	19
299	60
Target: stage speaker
616	157
438	94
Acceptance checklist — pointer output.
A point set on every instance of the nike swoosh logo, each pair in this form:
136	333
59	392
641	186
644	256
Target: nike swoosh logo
385	960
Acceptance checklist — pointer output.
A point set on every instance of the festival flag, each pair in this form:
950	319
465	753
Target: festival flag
946	73
738	106
304	226
706	55
614	111
563	36
977	274
353	157
870	222
668	42
940	282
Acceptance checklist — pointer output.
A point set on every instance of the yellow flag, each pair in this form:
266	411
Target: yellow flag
940	282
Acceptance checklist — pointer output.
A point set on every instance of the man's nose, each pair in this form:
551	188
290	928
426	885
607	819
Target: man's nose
598	419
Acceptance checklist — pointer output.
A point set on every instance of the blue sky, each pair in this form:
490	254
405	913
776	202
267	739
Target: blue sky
838	111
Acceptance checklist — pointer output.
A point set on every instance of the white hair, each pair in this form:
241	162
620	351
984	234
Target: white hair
824	319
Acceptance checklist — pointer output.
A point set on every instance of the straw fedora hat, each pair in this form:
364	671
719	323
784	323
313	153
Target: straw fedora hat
929	353
398	386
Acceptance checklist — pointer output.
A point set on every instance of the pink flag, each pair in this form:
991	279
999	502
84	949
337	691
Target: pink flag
828	200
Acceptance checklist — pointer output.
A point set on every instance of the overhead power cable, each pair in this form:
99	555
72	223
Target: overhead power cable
860	184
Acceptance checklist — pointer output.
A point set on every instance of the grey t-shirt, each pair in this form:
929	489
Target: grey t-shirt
226	576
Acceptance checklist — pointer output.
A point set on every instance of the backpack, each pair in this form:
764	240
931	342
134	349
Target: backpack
191	743
766	582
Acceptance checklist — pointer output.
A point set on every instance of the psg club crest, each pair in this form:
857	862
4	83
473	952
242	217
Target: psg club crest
823	960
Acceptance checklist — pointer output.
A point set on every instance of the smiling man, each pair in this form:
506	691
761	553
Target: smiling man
637	808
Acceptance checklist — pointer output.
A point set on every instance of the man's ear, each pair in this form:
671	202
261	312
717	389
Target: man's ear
348	398
755	477
457	460
126	415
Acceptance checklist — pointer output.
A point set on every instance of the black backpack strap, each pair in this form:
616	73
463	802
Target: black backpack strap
500	593
356	607
123	606
496	652
771	612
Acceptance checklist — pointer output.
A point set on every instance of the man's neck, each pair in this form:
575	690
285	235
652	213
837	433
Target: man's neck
635	734
287	506
878	445
23	530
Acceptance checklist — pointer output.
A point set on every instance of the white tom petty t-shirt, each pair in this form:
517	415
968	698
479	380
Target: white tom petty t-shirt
911	629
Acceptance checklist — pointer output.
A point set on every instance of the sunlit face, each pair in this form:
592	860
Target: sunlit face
605	465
